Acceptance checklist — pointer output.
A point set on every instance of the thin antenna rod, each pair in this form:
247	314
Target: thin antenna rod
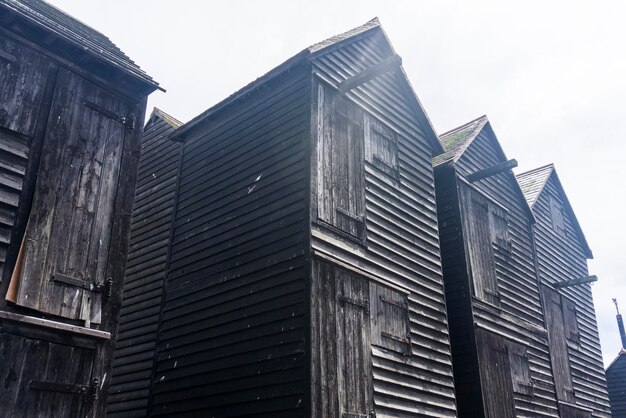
620	325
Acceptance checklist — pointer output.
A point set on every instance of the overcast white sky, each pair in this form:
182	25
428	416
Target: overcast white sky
550	75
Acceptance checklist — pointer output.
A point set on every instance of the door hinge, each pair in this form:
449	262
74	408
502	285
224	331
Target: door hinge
129	121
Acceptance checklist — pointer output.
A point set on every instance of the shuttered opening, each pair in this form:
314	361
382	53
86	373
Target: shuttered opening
505	373
63	255
558	321
341	180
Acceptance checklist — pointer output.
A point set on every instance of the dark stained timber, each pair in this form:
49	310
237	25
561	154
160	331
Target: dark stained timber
68	164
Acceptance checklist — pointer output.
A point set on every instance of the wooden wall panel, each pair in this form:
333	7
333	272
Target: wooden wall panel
561	257
516	313
232	339
150	230
401	246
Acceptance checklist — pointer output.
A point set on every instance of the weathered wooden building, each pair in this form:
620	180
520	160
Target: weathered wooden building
499	340
146	268
304	274
70	101
616	374
562	253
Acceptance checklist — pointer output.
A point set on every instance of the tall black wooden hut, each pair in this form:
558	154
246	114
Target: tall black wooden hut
499	340
146	267
562	253
70	103
304	273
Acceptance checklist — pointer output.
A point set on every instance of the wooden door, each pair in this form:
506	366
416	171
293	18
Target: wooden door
495	376
69	229
23	79
558	345
341	185
479	247
354	365
44	379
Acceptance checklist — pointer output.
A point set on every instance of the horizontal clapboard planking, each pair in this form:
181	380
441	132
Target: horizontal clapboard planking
509	307
400	246
150	230
562	255
517	280
232	338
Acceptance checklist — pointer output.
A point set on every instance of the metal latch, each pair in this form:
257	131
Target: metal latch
105	287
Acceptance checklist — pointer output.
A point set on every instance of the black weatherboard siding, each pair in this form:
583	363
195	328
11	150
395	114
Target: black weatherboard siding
499	342
304	272
394	244
232	336
145	271
562	254
70	106
616	382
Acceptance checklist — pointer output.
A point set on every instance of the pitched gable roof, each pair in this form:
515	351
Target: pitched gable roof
456	141
533	184
158	114
311	53
74	31
533	181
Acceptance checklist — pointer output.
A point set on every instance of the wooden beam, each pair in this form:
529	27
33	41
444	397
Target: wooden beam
488	172
574	282
385	66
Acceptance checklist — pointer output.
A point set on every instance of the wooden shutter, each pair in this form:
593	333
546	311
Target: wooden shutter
569	320
495	375
23	76
500	228
381	148
479	242
67	240
354	362
341	189
556	214
520	369
390	319
558	346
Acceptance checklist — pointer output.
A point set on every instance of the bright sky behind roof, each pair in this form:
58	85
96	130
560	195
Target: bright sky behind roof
550	75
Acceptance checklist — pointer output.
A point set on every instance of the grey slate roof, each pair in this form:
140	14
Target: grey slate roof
76	32
456	141
533	181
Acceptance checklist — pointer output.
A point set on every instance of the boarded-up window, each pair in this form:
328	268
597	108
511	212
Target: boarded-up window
556	214
520	369
569	320
341	194
499	228
381	148
559	356
479	243
390	319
